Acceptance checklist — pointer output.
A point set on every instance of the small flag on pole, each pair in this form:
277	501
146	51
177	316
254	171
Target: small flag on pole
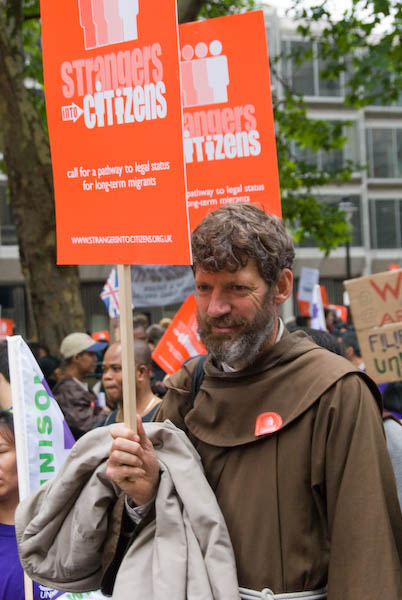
110	294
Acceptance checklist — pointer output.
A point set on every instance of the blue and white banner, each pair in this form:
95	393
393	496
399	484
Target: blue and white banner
161	285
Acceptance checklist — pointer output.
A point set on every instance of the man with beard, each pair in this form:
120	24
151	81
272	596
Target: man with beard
290	436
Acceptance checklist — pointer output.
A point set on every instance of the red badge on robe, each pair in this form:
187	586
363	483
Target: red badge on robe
268	422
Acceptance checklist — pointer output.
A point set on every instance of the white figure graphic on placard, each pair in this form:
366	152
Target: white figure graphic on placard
99	100
87	23
188	147
114	21
185	341
128	11
210	148
218	72
205	93
119	107
205	79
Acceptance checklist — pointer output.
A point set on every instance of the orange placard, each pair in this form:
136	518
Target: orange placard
6	328
304	308
113	102
324	295
341	311
229	136
181	340
101	336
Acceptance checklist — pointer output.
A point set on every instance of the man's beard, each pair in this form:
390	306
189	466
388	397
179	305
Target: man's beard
242	346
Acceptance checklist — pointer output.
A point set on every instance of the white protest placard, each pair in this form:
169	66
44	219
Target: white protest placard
308	279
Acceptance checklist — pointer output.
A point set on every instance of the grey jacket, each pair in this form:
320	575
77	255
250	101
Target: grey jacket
185	553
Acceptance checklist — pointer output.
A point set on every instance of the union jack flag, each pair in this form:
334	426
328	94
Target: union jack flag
110	294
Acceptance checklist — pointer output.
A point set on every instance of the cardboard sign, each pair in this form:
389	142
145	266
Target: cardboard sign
376	304
181	340
376	300
381	349
6	328
229	136
113	102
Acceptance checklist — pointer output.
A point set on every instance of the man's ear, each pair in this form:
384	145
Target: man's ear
283	287
141	372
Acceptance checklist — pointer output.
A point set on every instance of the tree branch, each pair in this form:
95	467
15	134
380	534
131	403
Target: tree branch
31	17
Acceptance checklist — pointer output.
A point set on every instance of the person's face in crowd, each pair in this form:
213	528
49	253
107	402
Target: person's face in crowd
112	378
8	468
140	333
330	318
86	362
236	314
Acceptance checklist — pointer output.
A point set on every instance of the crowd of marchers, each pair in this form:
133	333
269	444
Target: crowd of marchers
275	455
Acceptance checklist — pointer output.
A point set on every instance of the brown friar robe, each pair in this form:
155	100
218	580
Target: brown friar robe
314	503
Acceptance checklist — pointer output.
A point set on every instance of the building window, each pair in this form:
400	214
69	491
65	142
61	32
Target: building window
386	223
384	152
8	236
331	160
356	220
305	78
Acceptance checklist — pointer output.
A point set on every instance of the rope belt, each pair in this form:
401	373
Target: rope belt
267	594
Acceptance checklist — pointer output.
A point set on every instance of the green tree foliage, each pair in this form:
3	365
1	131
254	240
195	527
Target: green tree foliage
299	180
366	44
371	59
219	8
53	293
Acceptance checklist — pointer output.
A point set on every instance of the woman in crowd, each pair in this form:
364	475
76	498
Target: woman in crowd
11	573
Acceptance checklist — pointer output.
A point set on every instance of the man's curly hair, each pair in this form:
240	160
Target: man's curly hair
228	237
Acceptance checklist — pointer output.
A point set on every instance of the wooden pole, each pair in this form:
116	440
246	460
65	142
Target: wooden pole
114	330
127	346
28	586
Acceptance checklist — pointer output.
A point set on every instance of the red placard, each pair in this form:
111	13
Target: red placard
101	336
180	341
341	311
6	328
229	136
113	102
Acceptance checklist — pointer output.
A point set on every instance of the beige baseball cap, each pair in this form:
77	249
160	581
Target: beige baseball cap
78	342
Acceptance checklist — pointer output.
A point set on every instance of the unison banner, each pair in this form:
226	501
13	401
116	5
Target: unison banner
43	438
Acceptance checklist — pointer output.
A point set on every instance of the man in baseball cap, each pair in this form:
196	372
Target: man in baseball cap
77	342
76	400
